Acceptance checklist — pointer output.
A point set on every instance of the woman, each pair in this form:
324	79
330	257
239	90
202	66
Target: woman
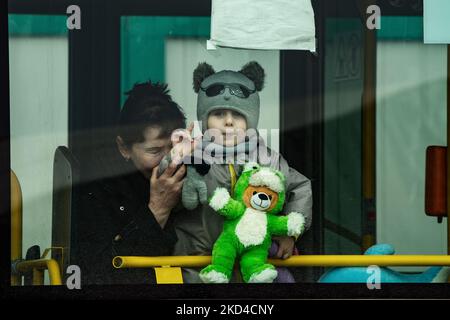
130	212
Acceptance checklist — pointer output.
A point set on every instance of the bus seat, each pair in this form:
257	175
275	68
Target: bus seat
66	175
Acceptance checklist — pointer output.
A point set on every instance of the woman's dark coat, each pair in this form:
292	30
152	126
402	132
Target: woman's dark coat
115	220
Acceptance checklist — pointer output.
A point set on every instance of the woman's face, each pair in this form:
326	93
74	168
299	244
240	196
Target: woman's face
148	154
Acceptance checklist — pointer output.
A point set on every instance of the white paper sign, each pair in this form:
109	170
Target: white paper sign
263	24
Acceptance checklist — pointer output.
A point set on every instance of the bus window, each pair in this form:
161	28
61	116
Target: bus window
342	184
354	119
38	68
411	115
378	197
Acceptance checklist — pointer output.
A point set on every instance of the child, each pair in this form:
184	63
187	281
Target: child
228	107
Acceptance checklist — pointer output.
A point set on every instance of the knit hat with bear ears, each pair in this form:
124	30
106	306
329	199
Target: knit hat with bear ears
251	75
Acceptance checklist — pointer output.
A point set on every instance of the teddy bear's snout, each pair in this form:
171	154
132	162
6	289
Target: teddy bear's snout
263	196
260	201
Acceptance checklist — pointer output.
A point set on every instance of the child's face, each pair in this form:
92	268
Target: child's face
230	123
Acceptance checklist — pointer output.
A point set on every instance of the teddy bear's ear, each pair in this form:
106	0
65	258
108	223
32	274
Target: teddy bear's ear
250	166
202	72
254	72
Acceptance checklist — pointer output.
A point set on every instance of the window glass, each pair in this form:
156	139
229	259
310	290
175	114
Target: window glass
38	74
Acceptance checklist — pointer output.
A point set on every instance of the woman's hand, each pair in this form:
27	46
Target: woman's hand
285	246
183	143
165	191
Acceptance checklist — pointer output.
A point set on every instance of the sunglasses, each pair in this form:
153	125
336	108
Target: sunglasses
236	89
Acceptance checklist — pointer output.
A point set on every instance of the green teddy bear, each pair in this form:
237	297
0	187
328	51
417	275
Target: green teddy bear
250	221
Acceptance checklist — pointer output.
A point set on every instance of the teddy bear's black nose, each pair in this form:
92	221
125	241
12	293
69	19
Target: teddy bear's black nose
263	196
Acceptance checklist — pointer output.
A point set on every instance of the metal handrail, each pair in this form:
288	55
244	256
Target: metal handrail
37	267
120	262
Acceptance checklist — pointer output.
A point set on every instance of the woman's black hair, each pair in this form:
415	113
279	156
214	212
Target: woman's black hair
149	105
